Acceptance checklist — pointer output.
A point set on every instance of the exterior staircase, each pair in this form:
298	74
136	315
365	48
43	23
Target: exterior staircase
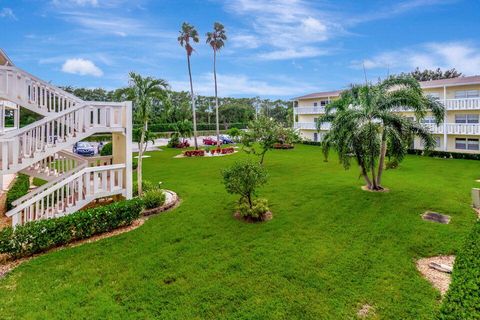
42	149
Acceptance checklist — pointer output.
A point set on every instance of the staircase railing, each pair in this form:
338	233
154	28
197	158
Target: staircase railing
37	95
71	194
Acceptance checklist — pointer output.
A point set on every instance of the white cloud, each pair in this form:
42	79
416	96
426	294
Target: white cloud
81	67
465	57
242	85
7	13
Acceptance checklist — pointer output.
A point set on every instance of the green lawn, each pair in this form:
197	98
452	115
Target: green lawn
329	249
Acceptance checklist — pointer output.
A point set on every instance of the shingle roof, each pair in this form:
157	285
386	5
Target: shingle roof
424	84
450	82
324	94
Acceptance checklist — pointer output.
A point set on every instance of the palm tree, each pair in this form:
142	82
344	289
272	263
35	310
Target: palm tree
216	39
365	121
144	92
188	33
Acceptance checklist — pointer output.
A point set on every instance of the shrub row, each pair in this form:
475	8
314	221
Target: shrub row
194	153
166	127
445	154
227	150
462	300
41	235
282	146
19	189
311	143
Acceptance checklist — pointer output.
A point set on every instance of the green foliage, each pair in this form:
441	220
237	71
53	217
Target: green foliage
462	300
234	132
107	149
445	154
261	136
243	178
428	75
392	164
41	235
174	140
288	135
256	211
153	198
147	185
19	189
38	182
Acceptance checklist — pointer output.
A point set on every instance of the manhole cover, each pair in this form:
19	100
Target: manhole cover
436	217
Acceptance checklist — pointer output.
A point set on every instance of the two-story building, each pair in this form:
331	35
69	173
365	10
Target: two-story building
459	132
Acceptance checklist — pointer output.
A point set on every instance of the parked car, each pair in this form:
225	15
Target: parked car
210	141
84	149
225	139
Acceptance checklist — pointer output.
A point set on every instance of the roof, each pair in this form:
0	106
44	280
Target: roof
324	94
424	84
4	59
451	82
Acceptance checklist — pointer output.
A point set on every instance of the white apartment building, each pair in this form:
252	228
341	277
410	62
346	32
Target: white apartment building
43	149
459	132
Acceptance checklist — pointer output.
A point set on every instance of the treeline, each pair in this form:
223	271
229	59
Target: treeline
176	107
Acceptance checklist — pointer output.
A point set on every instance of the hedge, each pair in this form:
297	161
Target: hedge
462	300
170	127
312	143
107	150
41	235
445	154
19	189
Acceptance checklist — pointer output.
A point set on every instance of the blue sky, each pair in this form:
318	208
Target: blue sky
277	48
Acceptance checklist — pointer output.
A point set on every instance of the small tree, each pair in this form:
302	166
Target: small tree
243	178
234	133
260	137
288	136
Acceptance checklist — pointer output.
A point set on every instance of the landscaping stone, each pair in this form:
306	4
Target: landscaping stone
436	217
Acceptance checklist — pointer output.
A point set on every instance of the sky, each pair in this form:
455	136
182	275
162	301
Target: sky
275	49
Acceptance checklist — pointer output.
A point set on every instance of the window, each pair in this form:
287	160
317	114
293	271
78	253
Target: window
315	137
315	120
466	118
467	144
323	103
428	119
461	143
437	142
434	95
467	94
315	104
472	144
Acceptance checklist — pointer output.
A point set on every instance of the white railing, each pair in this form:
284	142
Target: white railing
461	128
24	147
24	89
70	194
310	110
434	128
311	126
463	104
55	165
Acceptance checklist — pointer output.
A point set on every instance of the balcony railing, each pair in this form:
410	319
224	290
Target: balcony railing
311	126
450	104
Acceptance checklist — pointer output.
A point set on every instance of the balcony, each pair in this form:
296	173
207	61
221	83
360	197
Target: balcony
311	126
310	110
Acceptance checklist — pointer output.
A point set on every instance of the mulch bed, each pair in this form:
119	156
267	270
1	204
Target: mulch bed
365	188
266	217
440	280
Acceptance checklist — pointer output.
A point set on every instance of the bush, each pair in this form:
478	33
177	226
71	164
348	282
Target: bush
19	189
174	141
227	150
146	186
392	164
312	143
153	198
282	146
107	149
462	300
257	211
41	235
134	164
445	154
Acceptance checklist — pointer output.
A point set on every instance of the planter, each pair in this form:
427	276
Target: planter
171	200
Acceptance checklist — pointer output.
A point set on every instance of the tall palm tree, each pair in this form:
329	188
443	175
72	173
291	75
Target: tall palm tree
365	122
144	92
188	33
216	40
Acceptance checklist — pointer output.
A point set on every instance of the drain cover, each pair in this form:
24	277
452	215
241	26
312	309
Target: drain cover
436	217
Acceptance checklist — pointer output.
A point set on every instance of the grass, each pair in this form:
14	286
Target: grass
329	249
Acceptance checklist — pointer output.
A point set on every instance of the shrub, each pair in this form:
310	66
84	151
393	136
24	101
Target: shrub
153	198
146	186
392	164
19	189
243	178
257	211
194	153
462	300
227	150
445	154
134	164
282	146
174	141
41	235
107	149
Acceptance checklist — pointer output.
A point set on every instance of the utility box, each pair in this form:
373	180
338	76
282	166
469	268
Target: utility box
476	198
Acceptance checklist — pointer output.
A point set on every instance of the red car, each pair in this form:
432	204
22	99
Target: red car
210	142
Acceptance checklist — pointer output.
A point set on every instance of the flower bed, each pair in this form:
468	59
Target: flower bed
227	150
194	153
282	146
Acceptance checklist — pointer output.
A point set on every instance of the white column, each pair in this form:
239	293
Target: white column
128	149
445	138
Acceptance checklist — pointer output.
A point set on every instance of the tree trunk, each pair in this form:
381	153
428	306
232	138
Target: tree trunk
381	164
216	94
263	156
193	105
249	198
140	159
365	176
